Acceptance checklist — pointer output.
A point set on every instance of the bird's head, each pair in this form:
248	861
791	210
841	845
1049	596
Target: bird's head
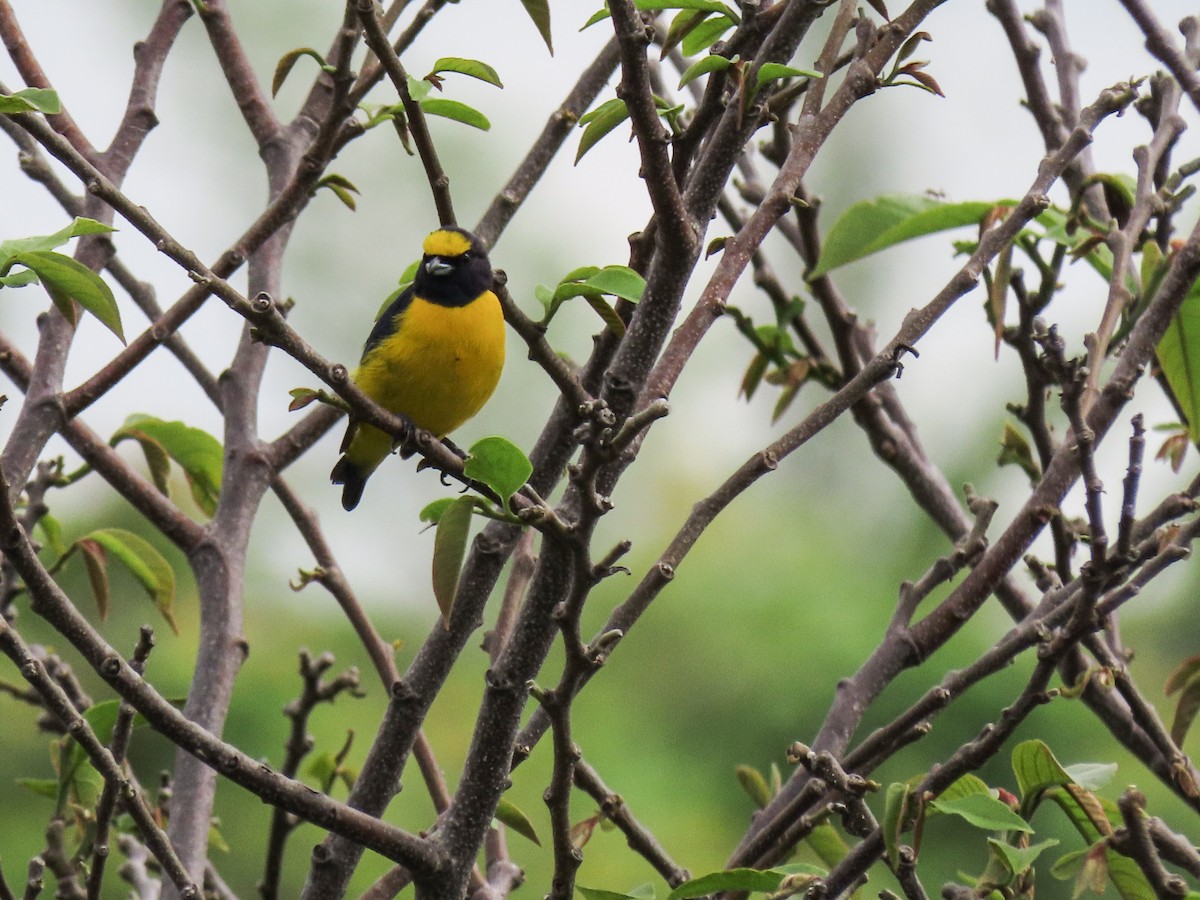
455	269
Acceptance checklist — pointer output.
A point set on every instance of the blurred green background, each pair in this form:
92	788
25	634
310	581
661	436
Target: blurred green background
786	593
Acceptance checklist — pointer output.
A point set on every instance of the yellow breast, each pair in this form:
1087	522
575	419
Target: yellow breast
440	364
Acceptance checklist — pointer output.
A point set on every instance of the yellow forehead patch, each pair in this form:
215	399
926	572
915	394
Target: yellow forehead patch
446	243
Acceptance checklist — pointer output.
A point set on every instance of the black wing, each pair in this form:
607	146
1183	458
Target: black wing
386	323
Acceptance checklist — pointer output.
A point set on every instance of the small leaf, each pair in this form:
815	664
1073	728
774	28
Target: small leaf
620	281
197	452
1179	358
500	464
458	112
301	397
1015	451
78	227
598	16
144	562
901	809
598	894
704	66
449	549
1185	672
754	784
599	122
216	840
51	530
43	787
831	848
284	67
729	880
539	13
873	225
1036	770
1020	859
581	832
471	67
774	71
754	373
705	35
511	816
322	768
1186	709
435	510
40	100
983	811
342	188
909	47
95	560
681	26
615	323
67	279
711	6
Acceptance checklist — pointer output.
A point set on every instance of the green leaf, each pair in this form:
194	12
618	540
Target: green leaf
774	71
831	848
342	188
435	510
216	840
1015	451
95	561
705	35
40	100
458	112
681	26
873	225
965	786
754	784
711	6
598	16
322	768
78	227
1179	358
704	66
144	562
983	811
52	533
598	894
1020	859
729	880
197	452
67	279
900	810
511	816
1036	770
606	313
472	67
620	281
43	787
418	90
500	464
284	67
599	122
449	549
539	13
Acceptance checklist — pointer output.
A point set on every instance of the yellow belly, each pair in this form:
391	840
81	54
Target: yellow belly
438	367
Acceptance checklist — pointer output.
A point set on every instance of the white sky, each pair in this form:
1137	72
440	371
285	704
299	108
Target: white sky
199	175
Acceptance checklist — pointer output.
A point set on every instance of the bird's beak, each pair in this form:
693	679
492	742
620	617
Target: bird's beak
435	265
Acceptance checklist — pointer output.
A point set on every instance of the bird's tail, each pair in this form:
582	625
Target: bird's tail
352	479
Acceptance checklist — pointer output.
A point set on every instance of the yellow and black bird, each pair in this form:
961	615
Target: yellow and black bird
434	355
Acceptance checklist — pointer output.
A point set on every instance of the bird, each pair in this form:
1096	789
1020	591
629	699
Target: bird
435	354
